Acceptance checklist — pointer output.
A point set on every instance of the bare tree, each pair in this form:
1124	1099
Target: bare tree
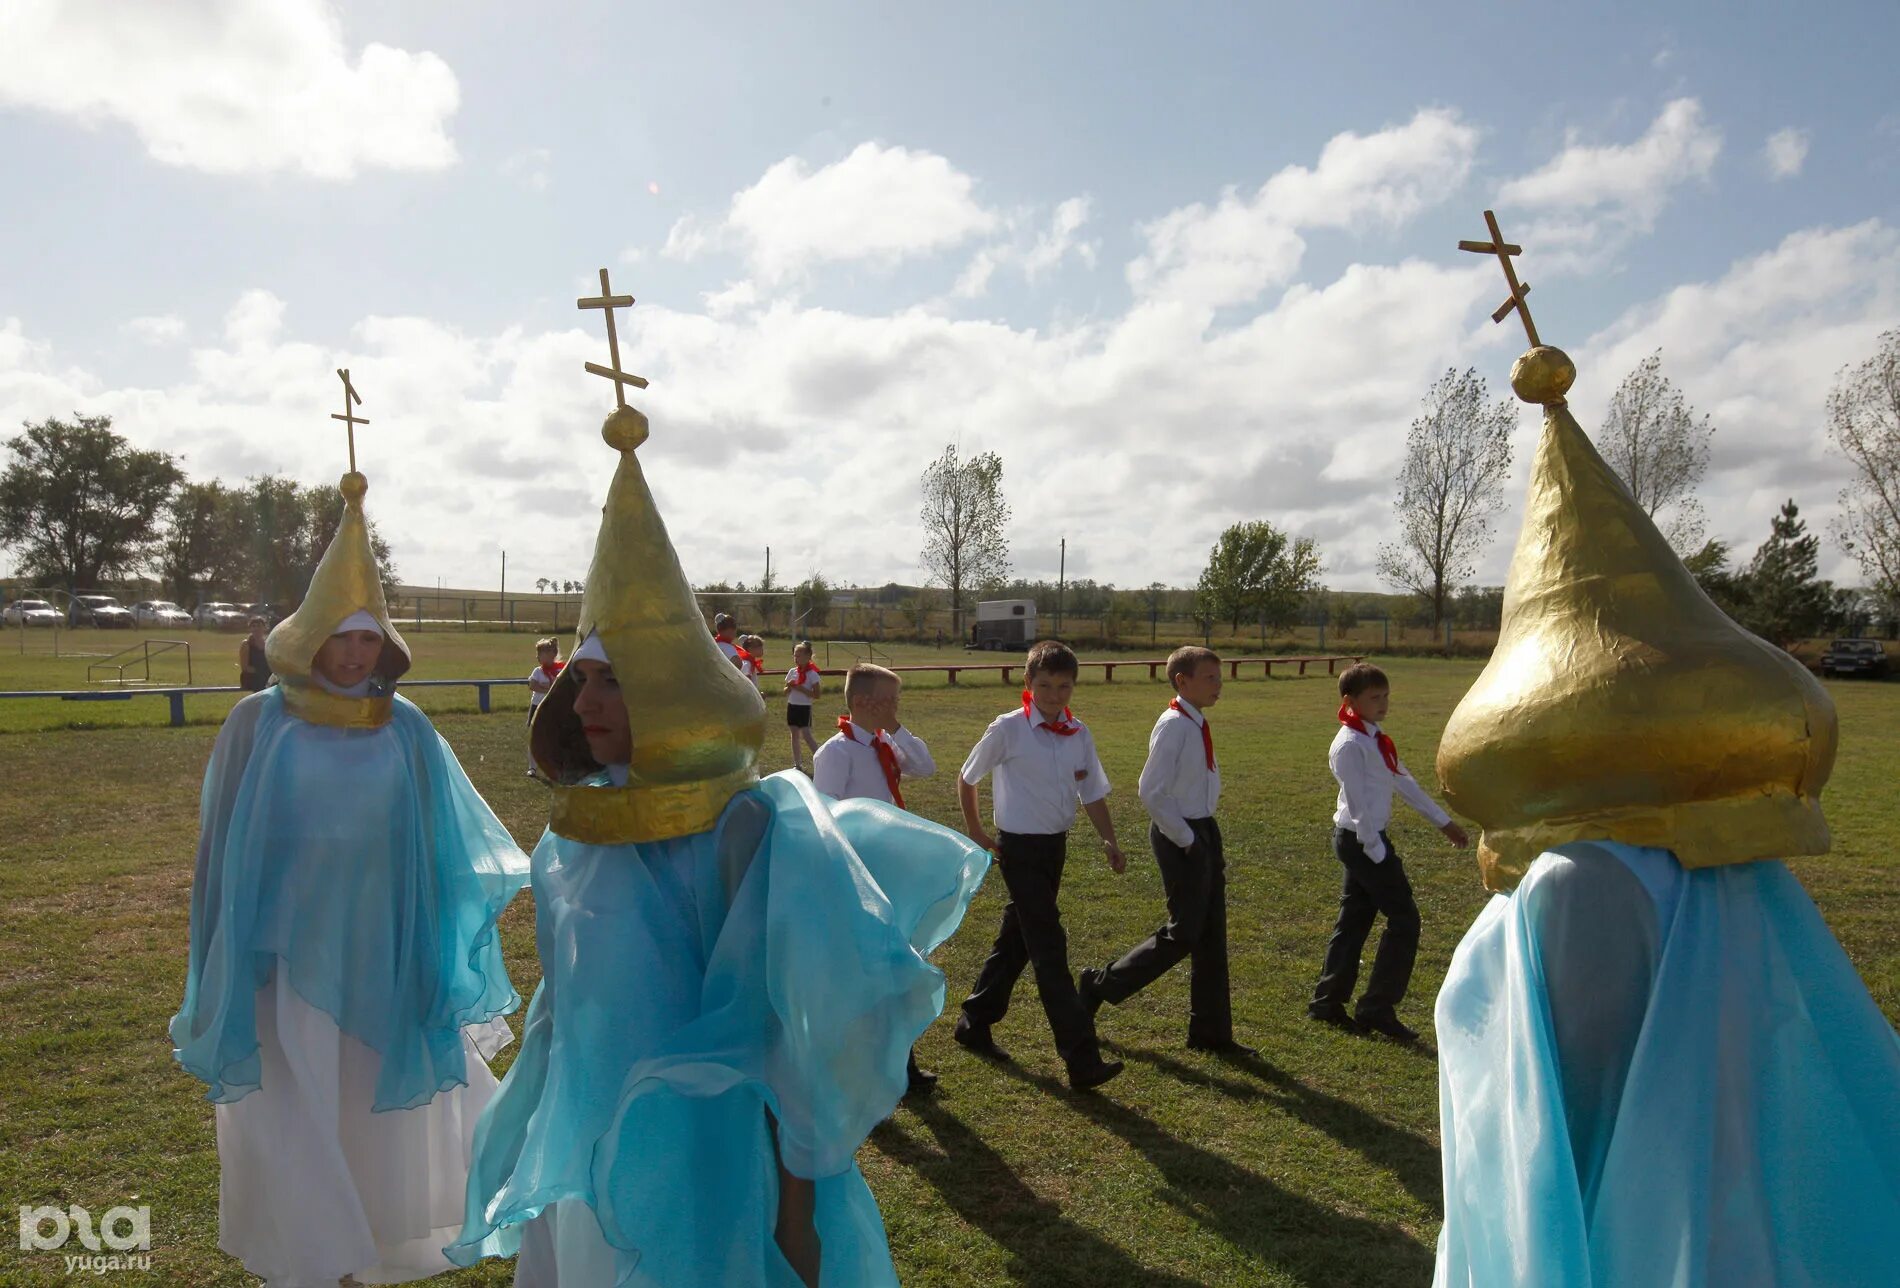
1863	420
1457	456
964	516
1653	441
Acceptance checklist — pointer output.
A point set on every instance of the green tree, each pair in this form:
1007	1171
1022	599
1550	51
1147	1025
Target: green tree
966	522
811	601
1255	572
1457	456
79	504
203	548
1787	600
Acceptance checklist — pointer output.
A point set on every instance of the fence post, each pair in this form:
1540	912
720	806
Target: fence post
481	697
1388	633
178	709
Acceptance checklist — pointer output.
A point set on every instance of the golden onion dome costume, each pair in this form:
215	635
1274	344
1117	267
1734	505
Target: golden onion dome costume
1656	1065
733	968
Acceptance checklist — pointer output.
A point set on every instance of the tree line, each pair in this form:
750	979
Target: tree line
80	507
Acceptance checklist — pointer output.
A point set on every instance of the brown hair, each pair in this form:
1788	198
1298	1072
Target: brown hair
1052	656
804	644
1187	659
863	679
550	642
1359	677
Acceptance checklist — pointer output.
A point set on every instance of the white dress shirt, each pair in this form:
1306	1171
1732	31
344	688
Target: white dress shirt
797	697
1366	787
1176	784
845	768
1040	775
539	682
730	649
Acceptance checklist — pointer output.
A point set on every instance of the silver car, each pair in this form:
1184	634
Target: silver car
220	617
159	612
30	612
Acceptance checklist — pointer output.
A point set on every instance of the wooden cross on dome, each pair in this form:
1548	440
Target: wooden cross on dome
1504	250
607	302
350	422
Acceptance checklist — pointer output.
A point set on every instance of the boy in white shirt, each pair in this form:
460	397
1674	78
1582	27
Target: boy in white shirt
724	628
547	668
1044	761
872	751
802	685
1180	787
868	757
1367	765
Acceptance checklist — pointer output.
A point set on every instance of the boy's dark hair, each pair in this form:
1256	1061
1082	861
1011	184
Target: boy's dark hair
1052	656
1359	677
1187	659
723	620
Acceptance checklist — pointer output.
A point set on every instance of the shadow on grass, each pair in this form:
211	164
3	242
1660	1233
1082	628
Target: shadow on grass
1409	1157
1310	1241
978	1183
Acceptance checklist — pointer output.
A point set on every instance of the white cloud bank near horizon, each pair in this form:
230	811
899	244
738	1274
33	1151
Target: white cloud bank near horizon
1226	387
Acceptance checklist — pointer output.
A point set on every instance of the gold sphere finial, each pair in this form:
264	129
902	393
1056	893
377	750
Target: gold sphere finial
1543	375
624	429
353	486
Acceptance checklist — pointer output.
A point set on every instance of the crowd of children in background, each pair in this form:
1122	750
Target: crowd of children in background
1043	766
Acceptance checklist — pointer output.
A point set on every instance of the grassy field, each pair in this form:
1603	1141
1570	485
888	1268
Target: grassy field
1316	1164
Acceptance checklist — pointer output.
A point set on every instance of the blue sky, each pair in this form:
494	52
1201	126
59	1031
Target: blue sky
1179	265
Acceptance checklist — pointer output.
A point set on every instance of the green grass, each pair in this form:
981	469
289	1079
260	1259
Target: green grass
1317	1164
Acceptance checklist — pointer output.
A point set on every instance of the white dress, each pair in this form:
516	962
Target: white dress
314	1185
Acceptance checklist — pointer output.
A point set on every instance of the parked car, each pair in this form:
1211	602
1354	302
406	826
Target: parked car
220	617
1862	659
30	612
98	610
159	612
269	612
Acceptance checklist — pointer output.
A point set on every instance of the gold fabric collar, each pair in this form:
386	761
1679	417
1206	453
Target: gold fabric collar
636	813
310	703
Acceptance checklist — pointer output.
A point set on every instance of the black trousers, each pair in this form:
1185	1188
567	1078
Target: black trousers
1032	935
1369	889
1196	883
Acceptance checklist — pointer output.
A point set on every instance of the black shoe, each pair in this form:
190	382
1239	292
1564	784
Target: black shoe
1338	1019
975	1038
1388	1026
1229	1048
1088	987
921	1083
1090	1074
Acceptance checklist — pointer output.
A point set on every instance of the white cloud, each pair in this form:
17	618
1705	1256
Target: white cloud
1758	348
1036	258
881	205
163	329
1602	195
230	86
1785	152
1229	253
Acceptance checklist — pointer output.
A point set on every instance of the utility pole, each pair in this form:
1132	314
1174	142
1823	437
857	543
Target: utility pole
504	581
1062	577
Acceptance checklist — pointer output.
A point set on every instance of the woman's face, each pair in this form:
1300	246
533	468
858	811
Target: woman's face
348	658
603	713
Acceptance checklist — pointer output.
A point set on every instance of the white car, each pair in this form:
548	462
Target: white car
159	612
220	617
30	612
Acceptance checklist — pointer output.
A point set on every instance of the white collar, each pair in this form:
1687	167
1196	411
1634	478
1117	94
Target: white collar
1189	710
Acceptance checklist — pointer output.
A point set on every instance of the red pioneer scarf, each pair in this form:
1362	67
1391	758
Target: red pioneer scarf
1064	728
552	669
803	667
745	658
1207	735
1388	751
886	757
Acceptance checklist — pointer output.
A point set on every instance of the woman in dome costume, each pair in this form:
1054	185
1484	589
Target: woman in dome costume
346	981
733	968
1656	1064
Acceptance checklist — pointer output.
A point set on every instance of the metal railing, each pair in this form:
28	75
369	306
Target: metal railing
145	653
